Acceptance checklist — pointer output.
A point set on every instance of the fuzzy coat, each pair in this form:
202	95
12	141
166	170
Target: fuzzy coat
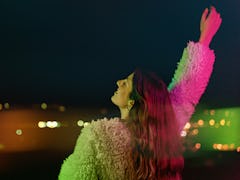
101	151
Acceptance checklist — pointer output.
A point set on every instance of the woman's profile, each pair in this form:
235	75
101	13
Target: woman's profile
144	143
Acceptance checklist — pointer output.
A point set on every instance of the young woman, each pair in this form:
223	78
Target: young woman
144	143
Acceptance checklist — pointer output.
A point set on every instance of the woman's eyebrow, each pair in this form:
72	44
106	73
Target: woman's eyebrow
128	81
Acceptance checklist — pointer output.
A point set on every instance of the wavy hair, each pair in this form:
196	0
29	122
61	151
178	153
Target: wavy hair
156	145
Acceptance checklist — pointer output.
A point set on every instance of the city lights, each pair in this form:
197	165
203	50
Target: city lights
86	124
212	112
49	124
19	132
52	124
208	130
6	105
62	108
222	122
187	125
183	133
42	124
44	106
224	147
222	127
195	132
214	146
197	145
200	122
80	123
238	149
219	146
232	146
211	122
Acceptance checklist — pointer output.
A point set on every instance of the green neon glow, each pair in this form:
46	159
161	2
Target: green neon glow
224	132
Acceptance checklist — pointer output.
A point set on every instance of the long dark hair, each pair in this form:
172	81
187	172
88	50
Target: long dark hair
156	145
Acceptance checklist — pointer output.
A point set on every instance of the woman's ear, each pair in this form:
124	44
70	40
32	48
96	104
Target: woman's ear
130	103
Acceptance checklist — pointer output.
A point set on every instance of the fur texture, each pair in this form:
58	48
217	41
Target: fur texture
102	149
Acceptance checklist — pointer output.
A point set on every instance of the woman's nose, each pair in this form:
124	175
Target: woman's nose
119	82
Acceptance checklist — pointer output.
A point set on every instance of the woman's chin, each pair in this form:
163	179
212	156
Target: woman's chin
114	101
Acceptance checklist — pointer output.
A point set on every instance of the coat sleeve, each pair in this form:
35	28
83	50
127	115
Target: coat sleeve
81	163
190	80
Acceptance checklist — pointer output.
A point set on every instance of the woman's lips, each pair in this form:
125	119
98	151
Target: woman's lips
116	92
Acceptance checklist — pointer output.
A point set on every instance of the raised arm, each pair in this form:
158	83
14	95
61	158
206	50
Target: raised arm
194	69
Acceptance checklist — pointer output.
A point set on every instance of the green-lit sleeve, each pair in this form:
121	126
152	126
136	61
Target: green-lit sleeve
80	165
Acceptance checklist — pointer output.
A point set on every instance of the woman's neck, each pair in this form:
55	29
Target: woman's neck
124	113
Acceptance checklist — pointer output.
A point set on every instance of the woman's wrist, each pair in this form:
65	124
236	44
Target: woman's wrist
204	41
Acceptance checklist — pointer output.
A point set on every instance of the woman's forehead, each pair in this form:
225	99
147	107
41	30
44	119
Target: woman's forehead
130	76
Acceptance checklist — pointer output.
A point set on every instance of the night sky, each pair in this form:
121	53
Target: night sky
73	52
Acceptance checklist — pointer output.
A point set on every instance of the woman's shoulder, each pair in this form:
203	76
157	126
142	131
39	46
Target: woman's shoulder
111	143
105	124
102	130
105	127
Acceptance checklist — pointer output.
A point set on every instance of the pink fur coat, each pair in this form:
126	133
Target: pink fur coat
102	148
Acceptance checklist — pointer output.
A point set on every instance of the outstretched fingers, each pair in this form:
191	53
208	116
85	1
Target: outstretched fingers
216	18
210	23
203	18
214	15
204	15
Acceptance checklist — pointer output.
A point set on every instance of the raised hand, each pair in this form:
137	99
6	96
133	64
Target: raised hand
209	25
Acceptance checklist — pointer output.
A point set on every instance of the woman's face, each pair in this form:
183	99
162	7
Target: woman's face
121	96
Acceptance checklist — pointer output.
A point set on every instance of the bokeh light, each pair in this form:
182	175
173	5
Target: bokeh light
62	108
86	124
214	146
44	106
222	122
183	133
6	105
80	123
225	147
219	146
195	132
212	122
42	124
238	149
200	122
187	125
52	124
197	145
232	146
212	112
19	132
